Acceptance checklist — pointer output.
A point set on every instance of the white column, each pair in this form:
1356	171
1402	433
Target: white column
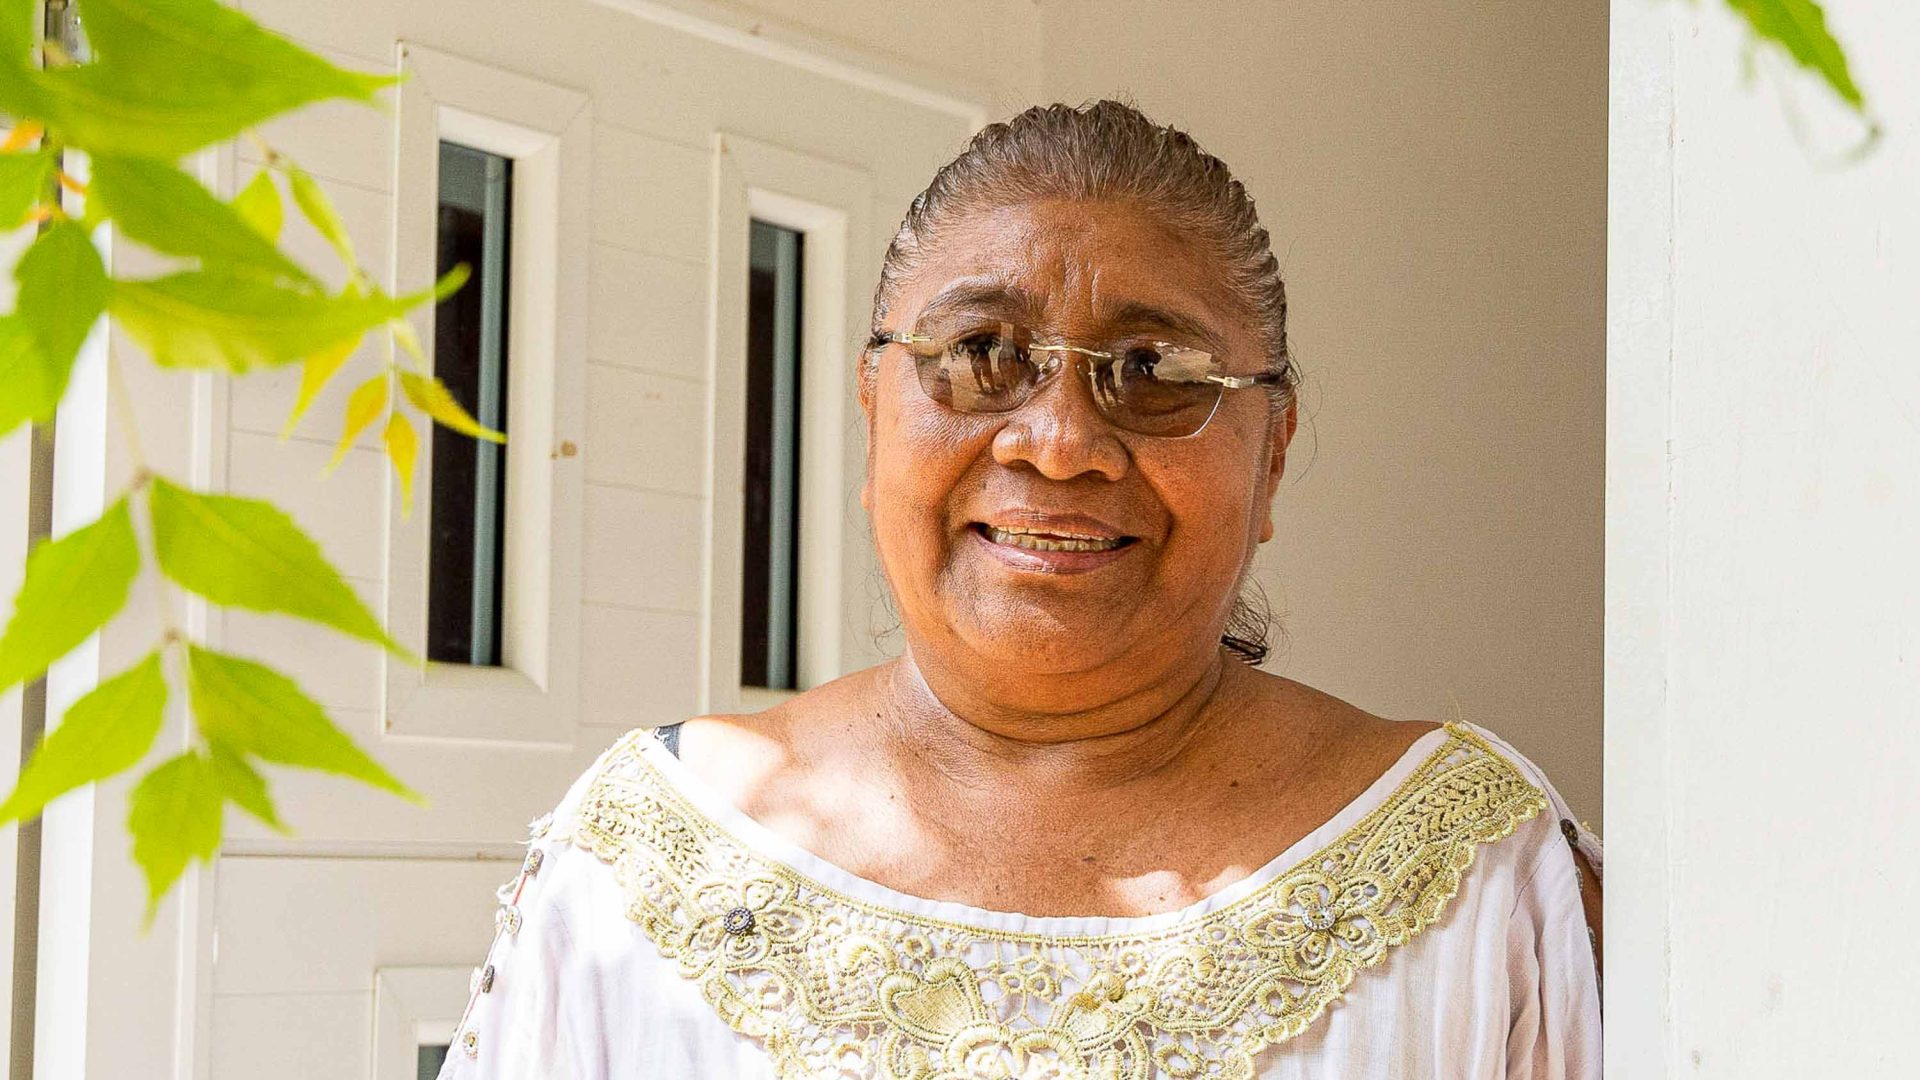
1763	706
114	1000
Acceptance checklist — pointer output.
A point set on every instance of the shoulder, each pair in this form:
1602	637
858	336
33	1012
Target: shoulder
742	755
1340	741
1560	887
736	755
1498	746
1467	795
619	755
1557	857
1566	824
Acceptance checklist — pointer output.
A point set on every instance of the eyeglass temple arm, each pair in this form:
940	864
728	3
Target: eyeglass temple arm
1241	382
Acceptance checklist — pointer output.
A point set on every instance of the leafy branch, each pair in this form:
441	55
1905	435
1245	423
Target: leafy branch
167	79
1798	28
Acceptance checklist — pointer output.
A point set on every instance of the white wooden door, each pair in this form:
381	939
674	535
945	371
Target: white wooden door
648	135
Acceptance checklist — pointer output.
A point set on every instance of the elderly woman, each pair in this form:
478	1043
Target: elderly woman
1072	831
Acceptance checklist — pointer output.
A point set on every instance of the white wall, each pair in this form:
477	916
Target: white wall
1763	689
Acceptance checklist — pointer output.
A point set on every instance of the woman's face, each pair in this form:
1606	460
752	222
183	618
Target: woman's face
943	487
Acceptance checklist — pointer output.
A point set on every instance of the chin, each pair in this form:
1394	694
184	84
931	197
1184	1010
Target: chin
1037	641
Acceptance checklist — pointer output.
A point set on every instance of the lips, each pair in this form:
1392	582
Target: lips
1064	524
1041	540
1033	540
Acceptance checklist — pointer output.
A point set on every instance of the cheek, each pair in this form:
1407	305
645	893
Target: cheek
1208	497
921	454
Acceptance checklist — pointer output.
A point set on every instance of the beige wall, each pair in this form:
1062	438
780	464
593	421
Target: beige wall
1434	176
1435	180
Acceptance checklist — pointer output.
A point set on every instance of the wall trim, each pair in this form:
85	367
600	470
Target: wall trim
807	52
1639	1026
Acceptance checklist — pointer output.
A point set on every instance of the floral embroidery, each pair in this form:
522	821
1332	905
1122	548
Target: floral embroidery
833	986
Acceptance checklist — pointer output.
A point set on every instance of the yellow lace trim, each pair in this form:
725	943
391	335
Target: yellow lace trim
832	986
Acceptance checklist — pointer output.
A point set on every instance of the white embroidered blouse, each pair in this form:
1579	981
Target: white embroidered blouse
1431	928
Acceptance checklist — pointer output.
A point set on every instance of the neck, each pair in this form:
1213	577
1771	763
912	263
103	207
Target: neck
958	729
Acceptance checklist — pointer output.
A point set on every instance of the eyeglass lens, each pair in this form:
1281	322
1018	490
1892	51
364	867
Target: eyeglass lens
1145	387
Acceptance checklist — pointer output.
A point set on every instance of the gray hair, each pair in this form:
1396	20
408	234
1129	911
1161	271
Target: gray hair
1109	150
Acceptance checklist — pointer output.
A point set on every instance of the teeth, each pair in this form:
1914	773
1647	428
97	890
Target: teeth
1034	541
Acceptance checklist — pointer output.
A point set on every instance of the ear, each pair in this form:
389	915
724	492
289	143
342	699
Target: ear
1281	434
863	381
863	390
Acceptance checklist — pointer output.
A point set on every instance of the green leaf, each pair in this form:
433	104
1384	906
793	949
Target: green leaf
19	92
1800	27
450	282
319	211
363	407
174	76
174	41
17	21
73	586
174	816
248	706
171	212
259	205
432	397
106	110
403	448
248	553
218	319
31	385
63	289
108	730
242	786
23	184
402	331
316	371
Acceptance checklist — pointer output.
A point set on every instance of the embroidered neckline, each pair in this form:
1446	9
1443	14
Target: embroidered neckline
846	886
832	985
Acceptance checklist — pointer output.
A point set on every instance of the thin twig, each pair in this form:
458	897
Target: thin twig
141	481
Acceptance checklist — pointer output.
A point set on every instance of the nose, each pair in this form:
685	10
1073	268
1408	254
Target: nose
1060	432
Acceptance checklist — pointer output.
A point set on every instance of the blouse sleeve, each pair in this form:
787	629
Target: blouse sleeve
514	1027
1555	994
1552	974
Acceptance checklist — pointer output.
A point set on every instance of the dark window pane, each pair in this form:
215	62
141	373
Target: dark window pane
771	589
469	478
430	1061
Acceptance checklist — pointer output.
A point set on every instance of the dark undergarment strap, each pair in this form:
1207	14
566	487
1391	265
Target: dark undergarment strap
669	735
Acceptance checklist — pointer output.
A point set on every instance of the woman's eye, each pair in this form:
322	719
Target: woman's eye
993	359
984	347
1139	361
1172	364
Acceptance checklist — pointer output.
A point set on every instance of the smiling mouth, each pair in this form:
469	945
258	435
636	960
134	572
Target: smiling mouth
1039	540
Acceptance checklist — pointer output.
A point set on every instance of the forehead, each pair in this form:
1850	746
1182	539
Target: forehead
1069	263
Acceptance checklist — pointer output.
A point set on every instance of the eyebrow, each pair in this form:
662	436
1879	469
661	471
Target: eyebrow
1006	299
991	295
1147	316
